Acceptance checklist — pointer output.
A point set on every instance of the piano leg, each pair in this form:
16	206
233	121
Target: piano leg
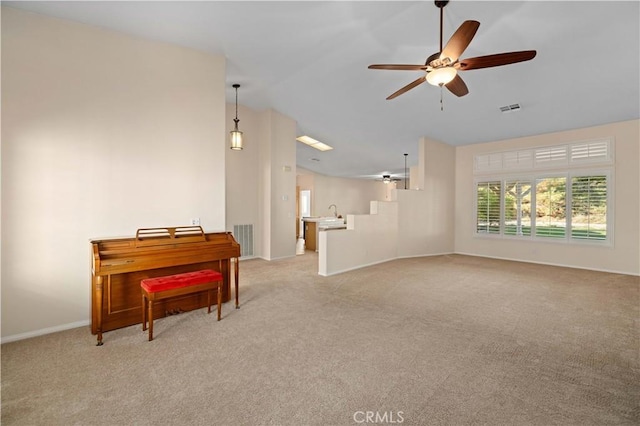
236	270
98	303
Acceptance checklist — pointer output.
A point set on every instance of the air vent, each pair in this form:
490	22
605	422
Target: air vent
510	108
244	236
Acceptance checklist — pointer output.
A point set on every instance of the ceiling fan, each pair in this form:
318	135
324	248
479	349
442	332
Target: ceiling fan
441	68
389	179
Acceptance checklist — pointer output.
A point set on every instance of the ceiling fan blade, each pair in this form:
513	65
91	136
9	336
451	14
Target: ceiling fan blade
457	86
495	60
400	67
460	40
408	87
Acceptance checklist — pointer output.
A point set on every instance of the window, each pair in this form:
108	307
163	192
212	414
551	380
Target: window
517	207
551	156
570	207
597	151
589	207
551	207
549	193
488	207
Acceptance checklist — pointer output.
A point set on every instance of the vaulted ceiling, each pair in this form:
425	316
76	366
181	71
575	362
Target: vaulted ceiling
309	60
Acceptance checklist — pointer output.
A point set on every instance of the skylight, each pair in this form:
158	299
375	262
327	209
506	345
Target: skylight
314	143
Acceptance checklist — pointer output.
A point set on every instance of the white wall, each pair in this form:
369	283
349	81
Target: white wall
278	185
256	181
415	223
368	239
102	134
426	217
243	175
623	257
351	196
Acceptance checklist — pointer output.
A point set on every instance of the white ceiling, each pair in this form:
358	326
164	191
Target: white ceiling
309	60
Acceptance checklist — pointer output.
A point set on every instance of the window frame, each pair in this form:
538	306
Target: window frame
533	178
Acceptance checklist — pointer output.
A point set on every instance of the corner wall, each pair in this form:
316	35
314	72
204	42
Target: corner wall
416	223
623	257
368	239
278	185
426	216
102	134
242	180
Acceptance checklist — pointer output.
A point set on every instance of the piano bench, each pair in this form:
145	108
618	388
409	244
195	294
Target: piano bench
160	288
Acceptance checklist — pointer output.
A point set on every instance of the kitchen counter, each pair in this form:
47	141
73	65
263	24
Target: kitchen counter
313	225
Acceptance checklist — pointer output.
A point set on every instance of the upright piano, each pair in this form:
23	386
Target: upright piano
119	264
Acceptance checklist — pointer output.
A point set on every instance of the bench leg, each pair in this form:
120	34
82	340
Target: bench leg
219	299
150	303
144	313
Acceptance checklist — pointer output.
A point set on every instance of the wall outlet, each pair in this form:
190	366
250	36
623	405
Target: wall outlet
195	221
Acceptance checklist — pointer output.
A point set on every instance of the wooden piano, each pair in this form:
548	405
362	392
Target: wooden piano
119	264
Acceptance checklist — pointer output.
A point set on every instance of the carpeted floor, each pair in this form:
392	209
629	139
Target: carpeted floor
452	340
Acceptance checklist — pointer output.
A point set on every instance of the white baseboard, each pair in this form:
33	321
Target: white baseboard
357	267
413	256
610	271
277	258
44	331
383	261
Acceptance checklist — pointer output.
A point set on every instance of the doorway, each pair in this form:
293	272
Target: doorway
304	208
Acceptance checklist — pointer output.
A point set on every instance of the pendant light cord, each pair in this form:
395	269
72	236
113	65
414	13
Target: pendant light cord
235	120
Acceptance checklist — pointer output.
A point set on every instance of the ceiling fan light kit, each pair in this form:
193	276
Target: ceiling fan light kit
442	67
441	76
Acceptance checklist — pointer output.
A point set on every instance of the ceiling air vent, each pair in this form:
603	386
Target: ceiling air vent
510	108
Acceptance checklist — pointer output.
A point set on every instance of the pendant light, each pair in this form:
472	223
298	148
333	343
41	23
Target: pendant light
236	135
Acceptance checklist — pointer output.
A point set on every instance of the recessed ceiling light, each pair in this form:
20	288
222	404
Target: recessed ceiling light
314	143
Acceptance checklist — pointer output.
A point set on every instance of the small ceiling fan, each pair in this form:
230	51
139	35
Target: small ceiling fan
389	179
441	68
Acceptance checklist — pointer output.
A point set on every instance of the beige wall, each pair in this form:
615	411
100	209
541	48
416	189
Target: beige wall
426	217
278	185
101	134
623	257
351	196
256	180
416	223
243	176
369	239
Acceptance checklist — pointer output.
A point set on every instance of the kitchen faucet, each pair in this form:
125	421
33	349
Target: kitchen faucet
335	210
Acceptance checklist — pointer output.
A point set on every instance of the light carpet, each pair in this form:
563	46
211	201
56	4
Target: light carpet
444	340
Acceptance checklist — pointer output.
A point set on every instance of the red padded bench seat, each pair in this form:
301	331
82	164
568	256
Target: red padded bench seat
160	288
